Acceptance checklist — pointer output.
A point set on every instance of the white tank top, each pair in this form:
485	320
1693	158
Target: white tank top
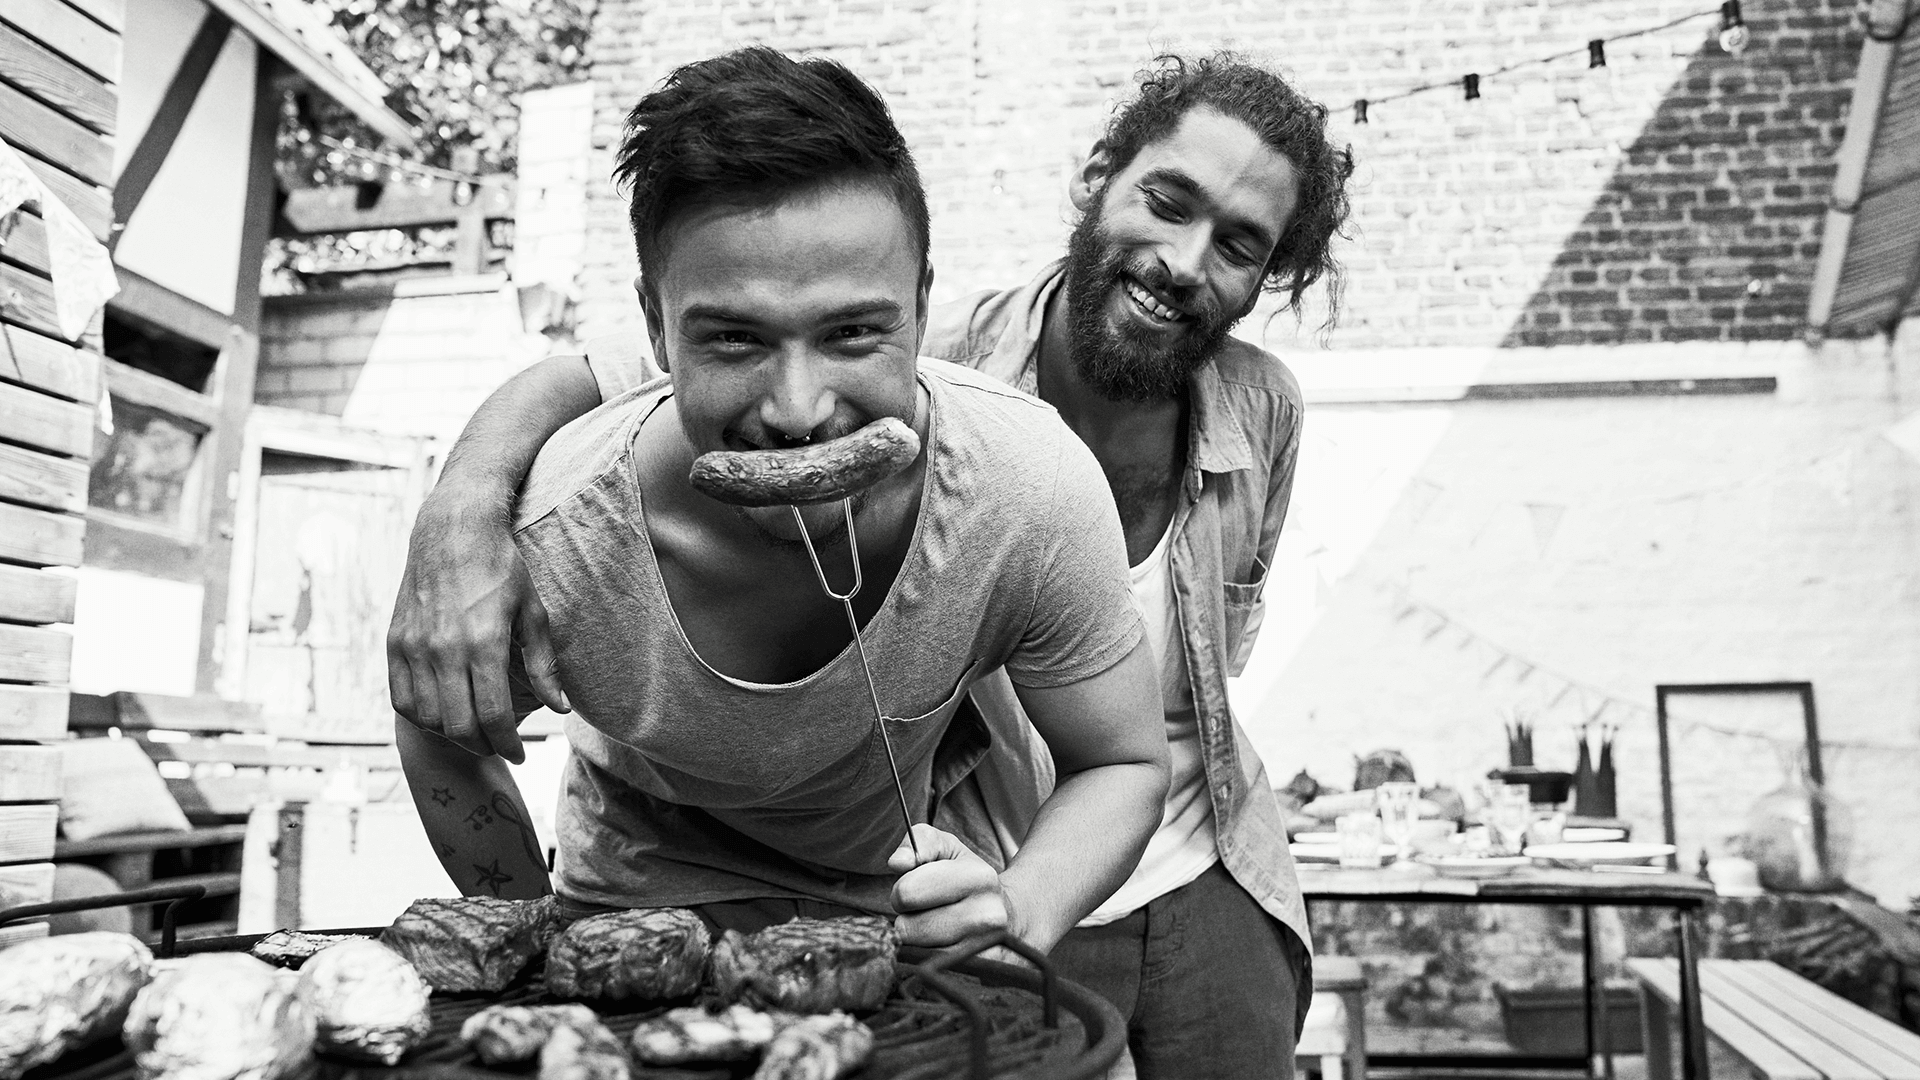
1183	847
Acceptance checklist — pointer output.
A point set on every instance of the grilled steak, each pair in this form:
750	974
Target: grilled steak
584	1052
809	965
817	1048
368	1004
221	1016
514	1034
59	994
648	953
679	1036
291	948
473	943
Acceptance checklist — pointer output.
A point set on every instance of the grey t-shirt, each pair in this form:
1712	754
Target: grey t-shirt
688	786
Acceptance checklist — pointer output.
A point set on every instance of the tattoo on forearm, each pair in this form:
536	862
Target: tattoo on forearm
446	850
480	818
442	796
490	877
530	840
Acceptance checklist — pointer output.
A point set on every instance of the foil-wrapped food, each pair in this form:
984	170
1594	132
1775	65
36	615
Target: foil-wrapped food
221	1016
809	965
368	1003
648	953
59	994
472	943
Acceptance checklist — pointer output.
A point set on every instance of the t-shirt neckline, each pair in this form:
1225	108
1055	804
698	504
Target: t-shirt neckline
631	473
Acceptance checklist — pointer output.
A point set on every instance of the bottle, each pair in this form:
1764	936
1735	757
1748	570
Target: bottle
1799	836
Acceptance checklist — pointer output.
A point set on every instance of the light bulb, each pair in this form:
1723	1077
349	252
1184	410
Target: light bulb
1734	39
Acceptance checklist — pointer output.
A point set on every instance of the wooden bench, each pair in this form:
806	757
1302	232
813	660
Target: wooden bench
1783	1026
1335	1039
129	859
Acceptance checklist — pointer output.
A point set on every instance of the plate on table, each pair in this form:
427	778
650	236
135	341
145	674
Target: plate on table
1317	838
1473	866
1330	853
1590	834
1598	853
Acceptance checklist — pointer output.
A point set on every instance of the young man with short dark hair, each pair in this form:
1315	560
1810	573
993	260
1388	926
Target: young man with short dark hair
725	752
1214	184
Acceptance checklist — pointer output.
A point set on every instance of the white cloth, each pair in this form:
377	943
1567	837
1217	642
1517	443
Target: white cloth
1184	845
83	277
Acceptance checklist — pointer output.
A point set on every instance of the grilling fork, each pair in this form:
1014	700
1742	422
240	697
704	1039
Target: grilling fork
880	718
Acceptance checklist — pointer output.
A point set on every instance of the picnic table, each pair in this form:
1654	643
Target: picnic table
1539	886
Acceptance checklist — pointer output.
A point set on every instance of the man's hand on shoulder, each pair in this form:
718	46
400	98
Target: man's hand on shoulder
464	599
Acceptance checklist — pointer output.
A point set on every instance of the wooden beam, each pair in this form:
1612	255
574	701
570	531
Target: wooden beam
45	422
69	33
175	104
401	206
35	596
38	538
43	130
30	654
47	364
168	310
57	81
147	388
92	205
263	188
51	483
33	712
29	774
26	246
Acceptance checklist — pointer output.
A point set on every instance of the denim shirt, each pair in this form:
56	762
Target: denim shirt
1243	440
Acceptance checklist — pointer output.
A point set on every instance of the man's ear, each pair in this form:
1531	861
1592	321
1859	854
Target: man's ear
656	327
1089	181
923	305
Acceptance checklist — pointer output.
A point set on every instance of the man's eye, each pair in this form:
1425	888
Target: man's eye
1161	206
733	337
851	333
1238	254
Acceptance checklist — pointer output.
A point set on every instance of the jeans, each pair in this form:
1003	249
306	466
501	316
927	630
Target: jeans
1210	985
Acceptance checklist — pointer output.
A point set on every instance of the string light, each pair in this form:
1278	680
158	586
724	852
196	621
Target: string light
369	159
1734	38
1734	35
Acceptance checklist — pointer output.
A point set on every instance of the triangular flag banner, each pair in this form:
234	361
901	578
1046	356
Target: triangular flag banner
83	276
1906	436
1835	473
1322	590
1546	521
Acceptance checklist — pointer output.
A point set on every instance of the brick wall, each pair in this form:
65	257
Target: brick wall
1671	196
416	360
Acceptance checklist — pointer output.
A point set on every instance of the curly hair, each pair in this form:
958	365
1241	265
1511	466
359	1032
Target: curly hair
751	127
1293	125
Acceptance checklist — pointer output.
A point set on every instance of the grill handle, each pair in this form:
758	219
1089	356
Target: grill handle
171	895
933	973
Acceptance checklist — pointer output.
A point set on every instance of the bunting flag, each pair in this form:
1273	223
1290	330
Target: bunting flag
1546	521
83	277
1906	436
1421	494
1835	473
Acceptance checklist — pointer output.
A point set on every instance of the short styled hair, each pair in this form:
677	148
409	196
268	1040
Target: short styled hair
752	127
1293	125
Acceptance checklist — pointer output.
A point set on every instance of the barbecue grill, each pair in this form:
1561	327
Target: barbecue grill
952	1014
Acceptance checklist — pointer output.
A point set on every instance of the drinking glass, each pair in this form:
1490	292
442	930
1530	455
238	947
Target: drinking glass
1549	827
1399	804
1509	813
1359	841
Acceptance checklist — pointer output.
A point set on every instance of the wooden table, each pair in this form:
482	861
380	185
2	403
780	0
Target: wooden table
1585	889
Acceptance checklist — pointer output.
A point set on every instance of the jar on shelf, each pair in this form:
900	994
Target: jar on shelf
1799	836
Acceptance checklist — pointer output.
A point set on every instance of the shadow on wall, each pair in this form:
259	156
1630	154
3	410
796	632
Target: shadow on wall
1709	228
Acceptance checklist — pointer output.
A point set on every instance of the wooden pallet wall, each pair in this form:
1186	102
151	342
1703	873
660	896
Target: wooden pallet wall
59	63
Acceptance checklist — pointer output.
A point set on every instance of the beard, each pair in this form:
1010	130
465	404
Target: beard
1123	363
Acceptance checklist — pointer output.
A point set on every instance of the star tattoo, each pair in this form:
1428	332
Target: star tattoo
491	877
442	796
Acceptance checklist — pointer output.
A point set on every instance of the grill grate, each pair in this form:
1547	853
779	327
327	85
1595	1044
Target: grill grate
918	1034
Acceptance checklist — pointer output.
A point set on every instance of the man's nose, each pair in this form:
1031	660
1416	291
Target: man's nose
798	401
1185	257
